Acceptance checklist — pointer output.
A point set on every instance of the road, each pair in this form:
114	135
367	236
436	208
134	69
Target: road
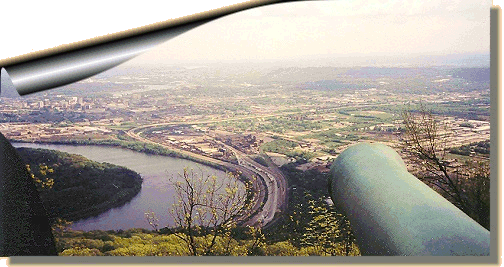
275	183
271	185
262	116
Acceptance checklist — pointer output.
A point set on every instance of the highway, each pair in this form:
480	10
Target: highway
262	116
270	184
275	183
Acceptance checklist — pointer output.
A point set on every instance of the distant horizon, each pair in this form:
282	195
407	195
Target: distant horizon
337	33
470	60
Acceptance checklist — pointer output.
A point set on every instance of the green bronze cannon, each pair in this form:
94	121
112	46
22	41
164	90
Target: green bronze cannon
394	213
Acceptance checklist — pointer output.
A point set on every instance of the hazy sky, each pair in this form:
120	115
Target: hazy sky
335	28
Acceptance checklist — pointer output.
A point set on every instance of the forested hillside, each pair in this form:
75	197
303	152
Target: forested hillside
73	187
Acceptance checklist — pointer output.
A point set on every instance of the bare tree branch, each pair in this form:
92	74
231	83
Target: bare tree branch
425	138
208	205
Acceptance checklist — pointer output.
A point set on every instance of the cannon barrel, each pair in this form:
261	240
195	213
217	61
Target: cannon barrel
393	213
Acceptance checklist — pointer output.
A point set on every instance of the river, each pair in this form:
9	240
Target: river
156	194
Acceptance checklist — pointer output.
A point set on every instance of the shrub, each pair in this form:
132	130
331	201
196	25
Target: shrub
81	252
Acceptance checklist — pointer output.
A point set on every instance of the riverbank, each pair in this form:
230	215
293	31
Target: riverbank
134	146
157	191
81	188
244	176
141	147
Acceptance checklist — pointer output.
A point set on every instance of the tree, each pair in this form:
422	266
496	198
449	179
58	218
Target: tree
476	185
467	186
43	170
257	245
207	208
152	219
58	225
329	231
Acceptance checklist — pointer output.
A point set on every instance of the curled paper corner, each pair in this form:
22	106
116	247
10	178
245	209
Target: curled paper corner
60	70
72	66
7	88
81	60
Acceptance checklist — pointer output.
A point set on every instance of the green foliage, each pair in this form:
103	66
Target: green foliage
42	170
474	180
310	224
482	147
288	148
311	181
284	248
79	187
466	124
279	146
207	209
467	109
302	232
81	252
152	219
280	124
334	138
261	160
143	243
133	145
298	237
329	231
138	146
